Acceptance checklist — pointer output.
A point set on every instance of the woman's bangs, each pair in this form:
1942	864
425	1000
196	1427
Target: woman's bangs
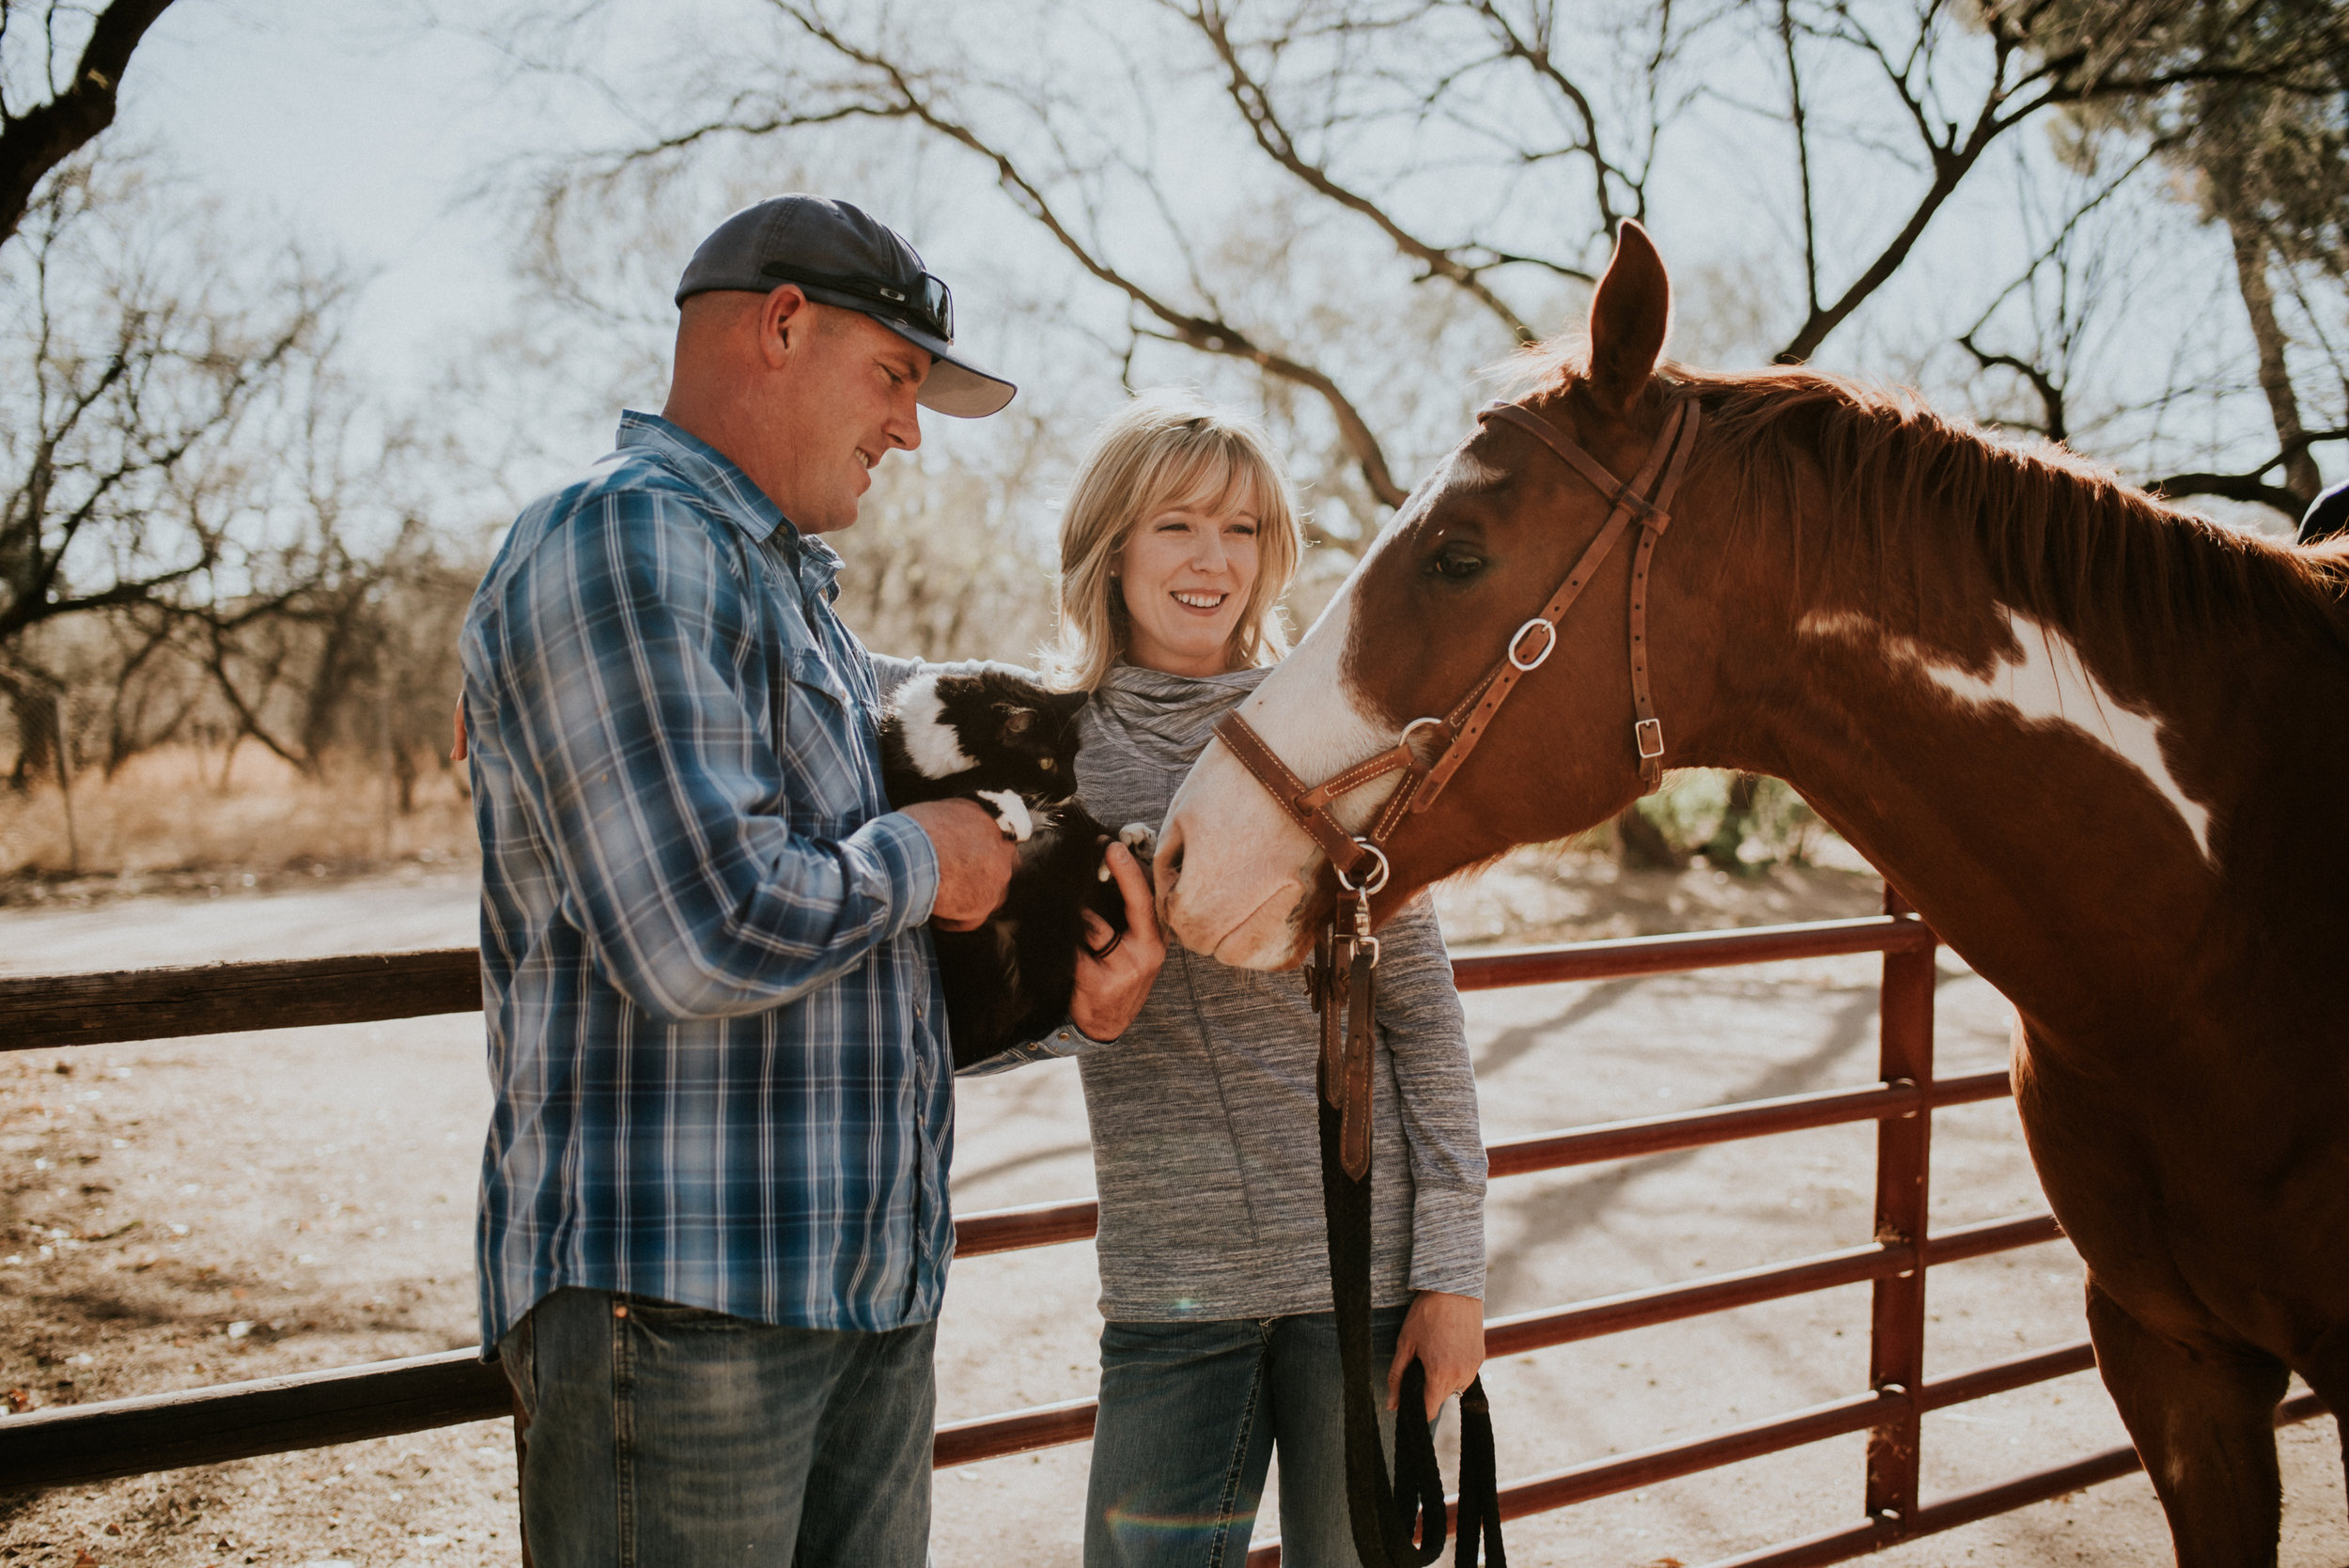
1213	481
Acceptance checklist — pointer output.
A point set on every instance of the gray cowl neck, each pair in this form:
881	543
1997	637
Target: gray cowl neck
1169	717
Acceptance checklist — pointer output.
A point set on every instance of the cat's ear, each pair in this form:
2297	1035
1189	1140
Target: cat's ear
1018	722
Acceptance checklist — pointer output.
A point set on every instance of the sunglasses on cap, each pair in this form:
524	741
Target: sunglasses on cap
925	303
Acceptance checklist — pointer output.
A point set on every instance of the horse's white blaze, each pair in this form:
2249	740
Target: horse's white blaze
2044	682
930	742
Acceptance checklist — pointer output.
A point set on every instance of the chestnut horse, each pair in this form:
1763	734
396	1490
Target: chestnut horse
2096	742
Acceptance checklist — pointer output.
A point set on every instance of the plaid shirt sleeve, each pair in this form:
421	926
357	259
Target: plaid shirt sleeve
633	658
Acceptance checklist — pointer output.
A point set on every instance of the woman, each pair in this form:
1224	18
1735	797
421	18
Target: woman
1220	1346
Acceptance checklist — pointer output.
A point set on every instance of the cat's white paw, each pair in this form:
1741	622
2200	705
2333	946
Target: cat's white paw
1011	813
1140	837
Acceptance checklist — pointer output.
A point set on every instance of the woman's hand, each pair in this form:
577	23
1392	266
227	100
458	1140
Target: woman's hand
1447	1333
1114	972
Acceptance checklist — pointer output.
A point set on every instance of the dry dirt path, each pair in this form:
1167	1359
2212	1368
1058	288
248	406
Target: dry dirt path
190	1212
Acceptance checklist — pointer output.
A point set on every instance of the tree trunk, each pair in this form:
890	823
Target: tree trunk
1737	821
35	709
2259	298
1640	844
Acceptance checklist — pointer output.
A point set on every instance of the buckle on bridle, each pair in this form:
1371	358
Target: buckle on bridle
1649	735
1376	879
1548	642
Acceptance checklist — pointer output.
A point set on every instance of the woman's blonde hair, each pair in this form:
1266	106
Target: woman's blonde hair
1165	450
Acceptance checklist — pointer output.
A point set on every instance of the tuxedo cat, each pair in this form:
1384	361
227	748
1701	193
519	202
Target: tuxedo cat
997	737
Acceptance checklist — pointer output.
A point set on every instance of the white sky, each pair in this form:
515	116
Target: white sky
361	134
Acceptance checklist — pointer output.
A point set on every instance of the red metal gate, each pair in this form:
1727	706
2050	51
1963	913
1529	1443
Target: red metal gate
78	1444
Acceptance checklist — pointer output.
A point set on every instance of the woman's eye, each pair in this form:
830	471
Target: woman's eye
1456	564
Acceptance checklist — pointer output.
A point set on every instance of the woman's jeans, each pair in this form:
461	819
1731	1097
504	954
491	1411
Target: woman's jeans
1191	1414
667	1437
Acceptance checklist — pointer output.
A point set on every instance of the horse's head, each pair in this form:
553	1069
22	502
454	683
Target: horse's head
1475	553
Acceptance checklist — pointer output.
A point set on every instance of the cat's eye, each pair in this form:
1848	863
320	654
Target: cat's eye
1048	764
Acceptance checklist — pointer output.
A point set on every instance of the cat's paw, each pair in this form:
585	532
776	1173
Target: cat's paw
1011	813
1141	838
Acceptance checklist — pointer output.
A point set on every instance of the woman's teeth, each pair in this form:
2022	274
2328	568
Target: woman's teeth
1200	601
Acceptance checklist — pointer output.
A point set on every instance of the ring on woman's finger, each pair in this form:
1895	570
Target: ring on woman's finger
1108	947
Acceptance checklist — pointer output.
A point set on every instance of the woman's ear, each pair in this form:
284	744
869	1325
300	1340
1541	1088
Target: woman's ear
1630	311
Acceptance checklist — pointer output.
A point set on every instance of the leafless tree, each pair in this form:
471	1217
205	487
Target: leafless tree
185	471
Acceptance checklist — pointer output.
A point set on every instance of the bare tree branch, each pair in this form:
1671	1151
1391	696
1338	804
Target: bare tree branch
2253	486
1253	101
36	141
1206	333
2050	392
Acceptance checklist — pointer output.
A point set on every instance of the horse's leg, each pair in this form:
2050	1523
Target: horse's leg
2204	1423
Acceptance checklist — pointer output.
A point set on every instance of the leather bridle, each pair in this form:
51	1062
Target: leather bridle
1359	862
1345	953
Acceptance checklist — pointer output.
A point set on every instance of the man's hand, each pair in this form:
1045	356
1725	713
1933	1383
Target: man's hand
974	860
1447	1333
1111	986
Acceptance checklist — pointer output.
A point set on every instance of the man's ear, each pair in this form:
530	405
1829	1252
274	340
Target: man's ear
785	319
1630	311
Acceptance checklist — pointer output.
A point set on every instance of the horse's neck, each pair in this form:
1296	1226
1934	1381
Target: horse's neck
2069	825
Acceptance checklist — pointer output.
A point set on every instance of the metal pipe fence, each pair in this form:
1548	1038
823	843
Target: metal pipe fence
77	1444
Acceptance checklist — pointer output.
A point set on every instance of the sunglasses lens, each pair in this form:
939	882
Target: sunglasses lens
940	303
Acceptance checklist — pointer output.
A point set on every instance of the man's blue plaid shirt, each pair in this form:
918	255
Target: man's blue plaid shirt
716	1035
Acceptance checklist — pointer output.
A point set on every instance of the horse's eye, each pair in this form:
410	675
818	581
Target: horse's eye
1456	563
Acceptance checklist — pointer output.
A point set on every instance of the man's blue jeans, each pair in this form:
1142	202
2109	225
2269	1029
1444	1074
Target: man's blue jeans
1191	1414
667	1437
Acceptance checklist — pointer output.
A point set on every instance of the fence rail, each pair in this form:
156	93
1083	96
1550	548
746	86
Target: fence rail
77	1444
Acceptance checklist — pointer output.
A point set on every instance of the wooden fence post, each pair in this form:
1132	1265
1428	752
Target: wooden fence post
1896	1352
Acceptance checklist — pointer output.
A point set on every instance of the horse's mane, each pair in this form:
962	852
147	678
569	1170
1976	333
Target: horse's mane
2062	539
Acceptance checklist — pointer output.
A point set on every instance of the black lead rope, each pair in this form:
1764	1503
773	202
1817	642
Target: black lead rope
1398	1522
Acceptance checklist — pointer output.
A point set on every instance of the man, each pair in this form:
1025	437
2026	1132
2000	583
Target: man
714	1225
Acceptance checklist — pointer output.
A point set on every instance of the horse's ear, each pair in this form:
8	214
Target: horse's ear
1629	312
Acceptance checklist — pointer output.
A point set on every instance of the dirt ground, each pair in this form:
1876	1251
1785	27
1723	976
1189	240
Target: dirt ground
183	1212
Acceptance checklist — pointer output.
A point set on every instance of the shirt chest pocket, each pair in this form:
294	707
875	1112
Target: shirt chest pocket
829	781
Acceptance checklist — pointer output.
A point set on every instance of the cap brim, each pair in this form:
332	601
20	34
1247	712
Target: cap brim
962	390
954	386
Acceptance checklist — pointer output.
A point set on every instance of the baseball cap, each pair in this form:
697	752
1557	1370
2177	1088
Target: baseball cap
840	255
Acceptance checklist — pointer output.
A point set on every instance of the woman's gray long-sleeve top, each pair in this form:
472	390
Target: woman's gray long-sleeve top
1205	1142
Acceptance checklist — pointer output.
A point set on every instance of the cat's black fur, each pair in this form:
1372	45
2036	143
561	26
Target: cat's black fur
950	736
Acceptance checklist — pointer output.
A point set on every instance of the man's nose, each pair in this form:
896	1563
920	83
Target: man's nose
904	426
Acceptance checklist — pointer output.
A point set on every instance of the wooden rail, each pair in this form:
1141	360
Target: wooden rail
42	1012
